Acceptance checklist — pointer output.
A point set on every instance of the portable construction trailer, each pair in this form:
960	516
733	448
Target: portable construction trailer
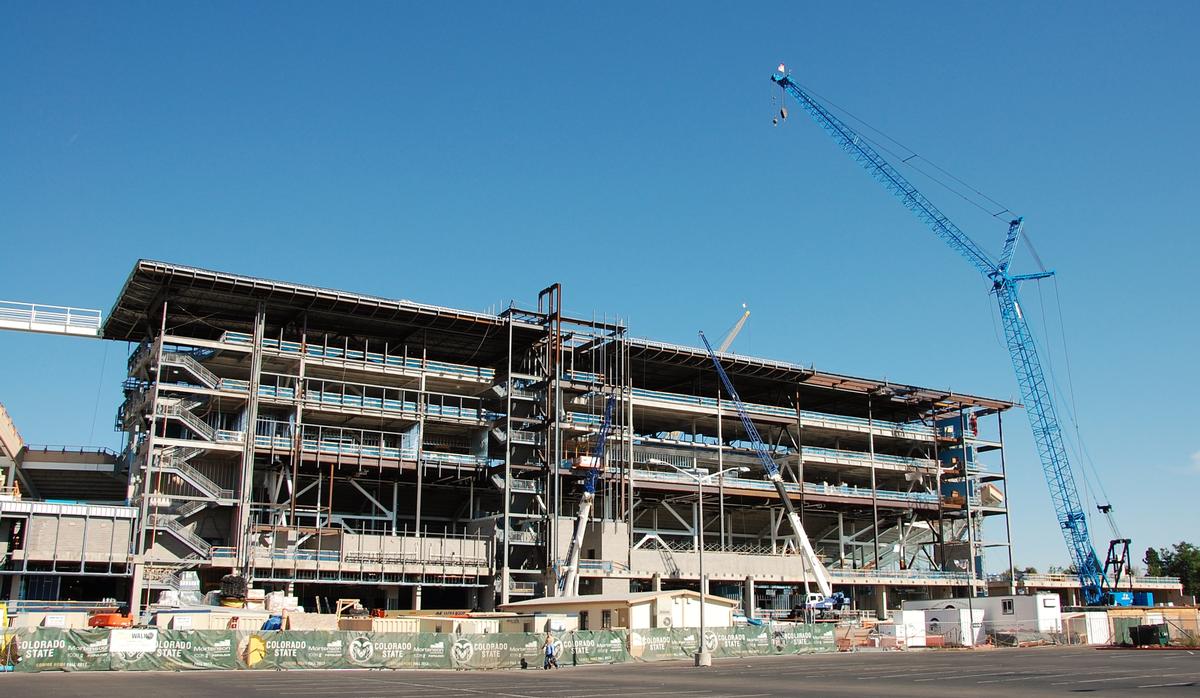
1034	613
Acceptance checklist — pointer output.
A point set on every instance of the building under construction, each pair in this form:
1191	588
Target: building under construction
410	455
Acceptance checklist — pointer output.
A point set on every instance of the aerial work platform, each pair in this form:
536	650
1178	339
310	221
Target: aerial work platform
49	319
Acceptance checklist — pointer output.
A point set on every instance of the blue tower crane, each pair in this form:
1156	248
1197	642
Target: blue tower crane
1035	392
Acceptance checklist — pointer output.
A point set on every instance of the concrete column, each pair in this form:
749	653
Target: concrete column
656	582
748	600
14	589
391	595
136	585
416	598
880	595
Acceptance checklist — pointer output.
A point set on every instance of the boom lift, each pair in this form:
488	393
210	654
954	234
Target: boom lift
568	580
820	574
1035	391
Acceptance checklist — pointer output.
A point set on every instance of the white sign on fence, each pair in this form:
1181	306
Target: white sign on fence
133	640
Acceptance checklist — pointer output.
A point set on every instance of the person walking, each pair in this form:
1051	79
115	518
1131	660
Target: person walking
551	660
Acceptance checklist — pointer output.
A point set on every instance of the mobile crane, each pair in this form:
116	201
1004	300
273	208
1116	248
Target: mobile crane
1035	390
820	574
591	466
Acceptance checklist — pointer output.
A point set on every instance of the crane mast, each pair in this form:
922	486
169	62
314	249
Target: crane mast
568	580
820	574
1031	379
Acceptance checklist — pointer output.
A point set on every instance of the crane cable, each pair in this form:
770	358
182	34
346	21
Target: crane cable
1087	466
913	155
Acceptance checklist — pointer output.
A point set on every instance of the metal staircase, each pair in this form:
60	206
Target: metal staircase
169	523
175	460
181	411
190	507
192	366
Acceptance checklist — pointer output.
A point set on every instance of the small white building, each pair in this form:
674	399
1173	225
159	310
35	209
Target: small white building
1035	613
634	611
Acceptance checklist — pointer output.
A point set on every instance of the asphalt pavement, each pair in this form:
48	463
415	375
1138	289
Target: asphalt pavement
1026	673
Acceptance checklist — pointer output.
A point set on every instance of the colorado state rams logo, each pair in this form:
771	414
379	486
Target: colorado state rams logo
710	641
361	649
461	651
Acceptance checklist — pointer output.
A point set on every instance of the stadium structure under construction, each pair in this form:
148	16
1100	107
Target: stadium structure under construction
417	456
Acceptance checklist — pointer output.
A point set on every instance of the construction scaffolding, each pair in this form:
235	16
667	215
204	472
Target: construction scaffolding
313	439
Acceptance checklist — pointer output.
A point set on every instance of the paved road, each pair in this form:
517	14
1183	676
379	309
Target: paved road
1012	672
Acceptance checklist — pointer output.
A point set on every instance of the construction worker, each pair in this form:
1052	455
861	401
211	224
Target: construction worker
550	661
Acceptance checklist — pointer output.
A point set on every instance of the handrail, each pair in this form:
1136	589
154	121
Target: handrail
171	462
809	487
189	418
315	442
168	522
695	400
1074	579
37	317
327	352
193	366
816	453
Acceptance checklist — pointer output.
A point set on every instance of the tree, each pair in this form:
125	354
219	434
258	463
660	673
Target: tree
1021	571
1154	564
1181	560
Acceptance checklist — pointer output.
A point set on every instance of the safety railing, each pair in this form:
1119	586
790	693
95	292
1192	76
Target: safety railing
320	351
807	417
202	428
340	441
514	536
582	377
842	573
1045	578
812	454
188	508
367	397
199	480
169	523
192	366
522	588
809	487
527	437
49	318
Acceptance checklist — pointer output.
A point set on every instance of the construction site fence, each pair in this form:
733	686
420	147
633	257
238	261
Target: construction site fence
155	649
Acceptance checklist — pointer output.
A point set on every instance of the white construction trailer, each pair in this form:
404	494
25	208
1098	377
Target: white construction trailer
1034	613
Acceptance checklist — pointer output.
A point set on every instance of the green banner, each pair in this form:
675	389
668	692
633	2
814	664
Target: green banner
179	650
656	644
594	647
57	649
154	649
803	638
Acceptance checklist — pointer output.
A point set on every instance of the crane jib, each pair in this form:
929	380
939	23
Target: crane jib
1022	348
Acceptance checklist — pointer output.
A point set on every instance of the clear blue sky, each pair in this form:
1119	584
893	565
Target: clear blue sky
470	155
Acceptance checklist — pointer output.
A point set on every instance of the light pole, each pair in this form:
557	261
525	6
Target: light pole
700	476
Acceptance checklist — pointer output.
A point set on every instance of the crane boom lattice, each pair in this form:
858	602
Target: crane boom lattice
1031	379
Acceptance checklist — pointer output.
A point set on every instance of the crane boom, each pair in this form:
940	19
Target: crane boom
820	574
1031	379
737	328
568	580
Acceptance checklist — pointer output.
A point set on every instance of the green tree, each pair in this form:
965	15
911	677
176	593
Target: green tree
1181	560
1154	563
